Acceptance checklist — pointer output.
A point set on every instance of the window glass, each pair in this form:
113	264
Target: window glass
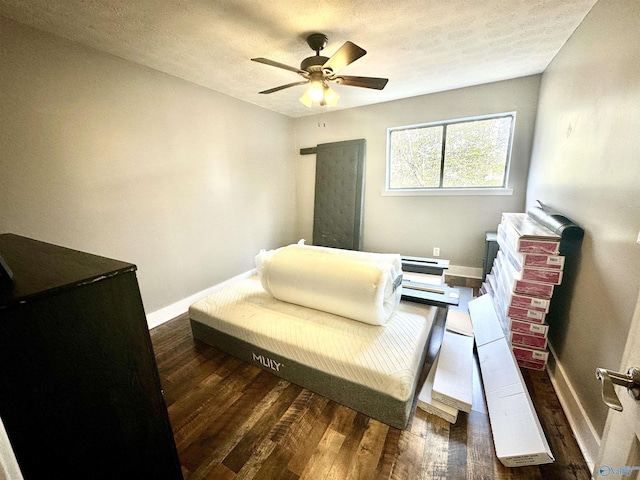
466	153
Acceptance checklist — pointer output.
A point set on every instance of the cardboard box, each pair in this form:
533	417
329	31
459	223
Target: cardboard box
517	434
541	275
517	300
530	354
429	405
531	341
534	289
529	303
531	365
486	326
530	260
533	329
459	322
551	262
453	381
527	227
522	244
509	279
533	316
526	235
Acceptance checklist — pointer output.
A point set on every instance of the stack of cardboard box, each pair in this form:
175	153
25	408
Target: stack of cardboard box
521	283
449	386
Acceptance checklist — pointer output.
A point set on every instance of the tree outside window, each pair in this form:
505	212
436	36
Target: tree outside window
466	153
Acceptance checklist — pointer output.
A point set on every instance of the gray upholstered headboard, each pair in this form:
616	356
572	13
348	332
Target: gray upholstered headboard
339	195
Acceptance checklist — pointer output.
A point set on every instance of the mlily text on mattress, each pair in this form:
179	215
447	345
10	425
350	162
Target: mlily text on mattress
369	367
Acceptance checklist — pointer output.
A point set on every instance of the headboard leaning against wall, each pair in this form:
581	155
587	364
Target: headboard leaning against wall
339	194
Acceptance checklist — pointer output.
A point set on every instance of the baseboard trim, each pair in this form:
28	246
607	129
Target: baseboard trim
586	436
157	318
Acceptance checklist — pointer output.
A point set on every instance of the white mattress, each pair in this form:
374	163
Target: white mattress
362	286
383	358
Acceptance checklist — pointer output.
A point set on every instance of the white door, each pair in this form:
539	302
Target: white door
619	455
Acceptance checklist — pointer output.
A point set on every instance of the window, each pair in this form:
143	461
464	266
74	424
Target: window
469	153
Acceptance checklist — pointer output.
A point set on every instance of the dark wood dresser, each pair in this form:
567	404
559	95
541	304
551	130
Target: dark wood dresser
80	394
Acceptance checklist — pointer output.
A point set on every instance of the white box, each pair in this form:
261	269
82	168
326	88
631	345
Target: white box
517	434
459	322
486	326
429	405
499	370
453	382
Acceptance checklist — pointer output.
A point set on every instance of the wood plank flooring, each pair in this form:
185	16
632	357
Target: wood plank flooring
234	421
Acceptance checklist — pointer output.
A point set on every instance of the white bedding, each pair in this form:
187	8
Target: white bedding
384	358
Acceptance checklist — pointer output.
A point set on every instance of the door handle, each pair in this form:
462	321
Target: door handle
610	378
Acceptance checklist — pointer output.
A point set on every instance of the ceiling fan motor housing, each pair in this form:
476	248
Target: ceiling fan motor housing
313	63
317	41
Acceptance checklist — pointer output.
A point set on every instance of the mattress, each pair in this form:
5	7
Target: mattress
373	369
358	285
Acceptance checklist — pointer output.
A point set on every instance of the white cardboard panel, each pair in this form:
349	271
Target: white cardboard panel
459	322
498	367
517	434
486	326
453	382
429	405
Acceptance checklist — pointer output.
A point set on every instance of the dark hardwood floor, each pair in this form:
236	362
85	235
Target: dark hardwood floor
232	420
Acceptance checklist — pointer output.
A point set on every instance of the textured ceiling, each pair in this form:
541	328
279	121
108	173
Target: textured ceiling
422	46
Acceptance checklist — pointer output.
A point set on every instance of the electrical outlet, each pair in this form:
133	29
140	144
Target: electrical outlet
436	251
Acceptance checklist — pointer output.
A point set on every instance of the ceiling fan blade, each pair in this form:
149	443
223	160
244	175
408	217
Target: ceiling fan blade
282	87
346	54
266	61
364	82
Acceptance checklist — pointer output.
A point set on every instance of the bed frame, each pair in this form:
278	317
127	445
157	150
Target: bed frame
361	398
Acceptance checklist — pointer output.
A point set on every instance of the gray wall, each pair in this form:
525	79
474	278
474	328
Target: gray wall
586	163
106	156
414	225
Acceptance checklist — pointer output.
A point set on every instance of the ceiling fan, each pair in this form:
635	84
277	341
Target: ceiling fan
318	71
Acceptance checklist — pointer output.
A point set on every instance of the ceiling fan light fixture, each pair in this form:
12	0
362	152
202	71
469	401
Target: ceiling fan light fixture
316	90
330	97
305	99
323	96
318	70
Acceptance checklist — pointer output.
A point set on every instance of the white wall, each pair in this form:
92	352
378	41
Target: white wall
586	164
414	225
109	157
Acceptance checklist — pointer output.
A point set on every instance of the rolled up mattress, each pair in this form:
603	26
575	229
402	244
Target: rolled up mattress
358	285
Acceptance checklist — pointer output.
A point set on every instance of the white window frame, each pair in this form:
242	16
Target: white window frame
426	191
